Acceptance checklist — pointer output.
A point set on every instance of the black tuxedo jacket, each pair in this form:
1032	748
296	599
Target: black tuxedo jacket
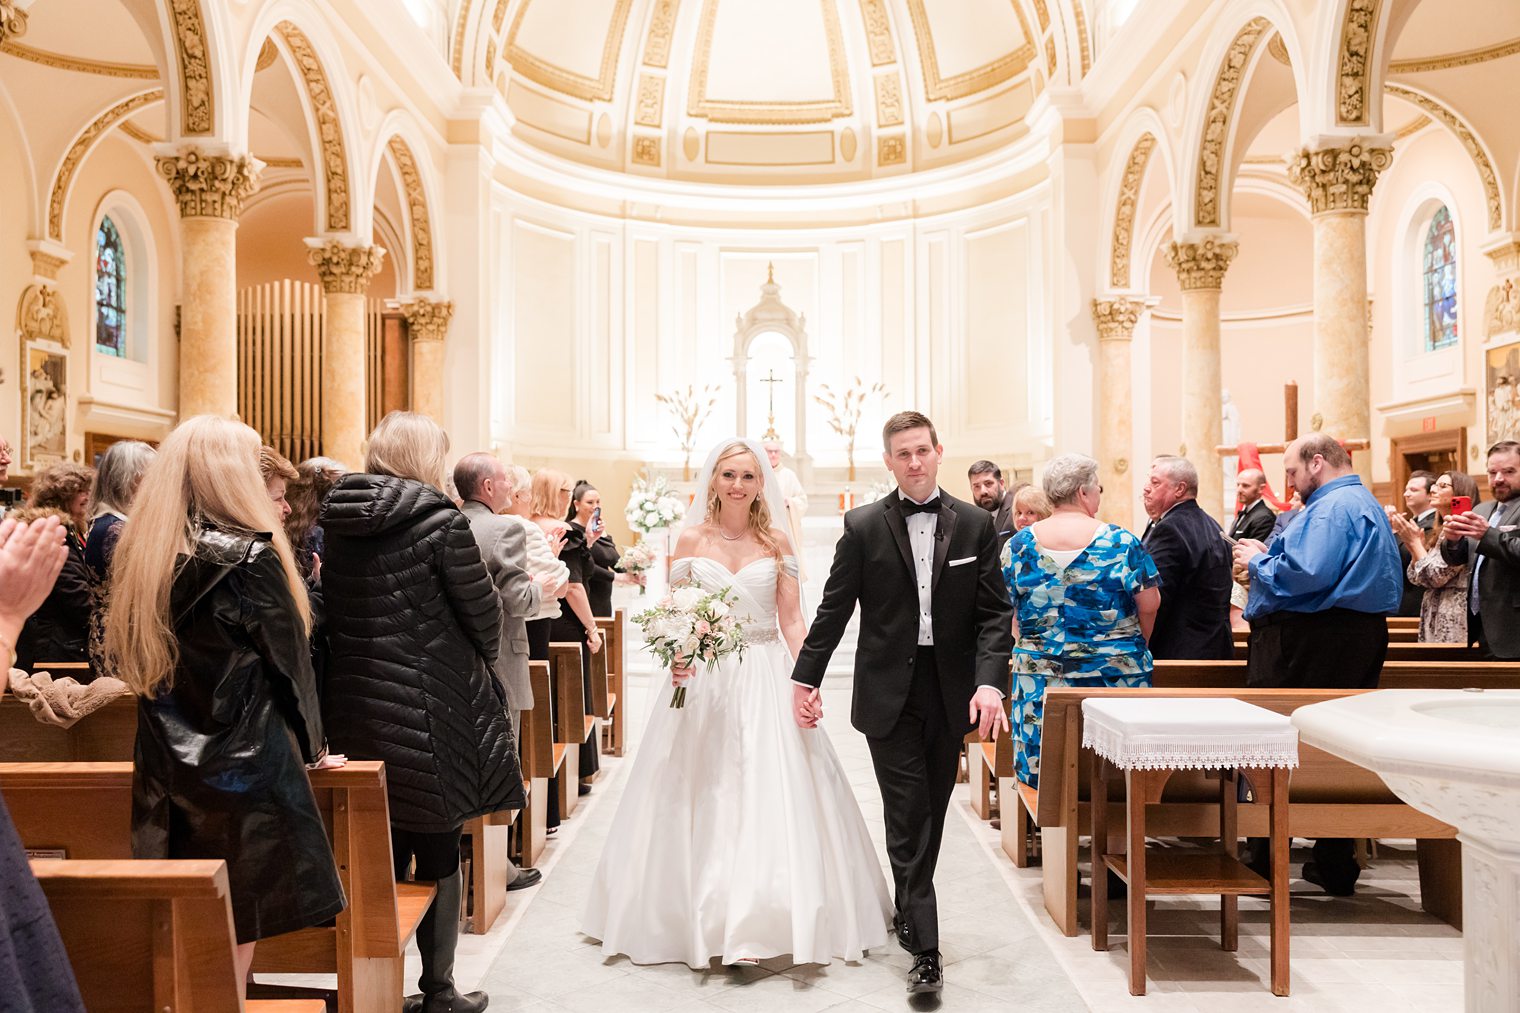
1002	521
1254	522
873	567
1498	577
1193	560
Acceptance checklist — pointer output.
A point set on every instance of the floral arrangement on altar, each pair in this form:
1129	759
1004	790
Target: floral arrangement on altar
653	505
845	408
877	491
692	625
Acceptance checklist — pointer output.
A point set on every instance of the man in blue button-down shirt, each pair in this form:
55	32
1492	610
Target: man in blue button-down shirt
1320	594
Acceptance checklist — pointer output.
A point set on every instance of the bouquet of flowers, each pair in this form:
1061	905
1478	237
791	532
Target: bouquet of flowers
693	625
635	560
652	505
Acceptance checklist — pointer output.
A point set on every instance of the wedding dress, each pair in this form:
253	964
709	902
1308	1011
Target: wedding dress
738	835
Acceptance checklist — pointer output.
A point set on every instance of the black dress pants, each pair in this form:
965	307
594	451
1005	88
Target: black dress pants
915	766
539	637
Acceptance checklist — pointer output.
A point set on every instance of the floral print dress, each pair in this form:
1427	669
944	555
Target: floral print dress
1078	626
1443	609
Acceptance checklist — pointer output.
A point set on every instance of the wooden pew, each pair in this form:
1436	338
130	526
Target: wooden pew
542	758
572	725
151	936
1404	651
613	659
107	734
1427	674
86	810
991	766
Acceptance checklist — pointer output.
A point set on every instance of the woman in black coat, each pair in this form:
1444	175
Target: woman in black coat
60	629
208	624
412	625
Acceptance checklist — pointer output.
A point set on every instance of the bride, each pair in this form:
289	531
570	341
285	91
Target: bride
738	835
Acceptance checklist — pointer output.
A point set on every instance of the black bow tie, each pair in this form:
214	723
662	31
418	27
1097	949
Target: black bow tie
909	508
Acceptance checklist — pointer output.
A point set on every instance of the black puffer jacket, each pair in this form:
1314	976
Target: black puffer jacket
412	621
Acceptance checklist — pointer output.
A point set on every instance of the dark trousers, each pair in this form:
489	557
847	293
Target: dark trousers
1334	649
437	855
539	636
915	766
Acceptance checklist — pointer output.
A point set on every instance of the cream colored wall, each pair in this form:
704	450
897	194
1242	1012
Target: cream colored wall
15	275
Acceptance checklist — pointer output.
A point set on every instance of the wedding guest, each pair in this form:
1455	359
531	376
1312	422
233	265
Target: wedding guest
1254	519
1487	539
1419	495
1443	605
413	622
1081	625
278	473
121	470
1030	504
990	493
59	630
314	479
585	514
1193	560
207	625
35	973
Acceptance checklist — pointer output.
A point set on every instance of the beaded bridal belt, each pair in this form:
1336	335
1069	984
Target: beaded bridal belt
761	634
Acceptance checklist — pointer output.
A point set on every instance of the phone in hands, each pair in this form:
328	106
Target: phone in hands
596	519
1461	505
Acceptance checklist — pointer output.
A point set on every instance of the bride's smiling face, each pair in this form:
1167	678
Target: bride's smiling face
736	481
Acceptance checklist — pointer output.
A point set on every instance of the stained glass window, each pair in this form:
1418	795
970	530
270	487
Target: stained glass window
1440	277
110	291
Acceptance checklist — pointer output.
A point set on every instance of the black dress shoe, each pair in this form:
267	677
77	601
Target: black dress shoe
583	789
926	975
525	878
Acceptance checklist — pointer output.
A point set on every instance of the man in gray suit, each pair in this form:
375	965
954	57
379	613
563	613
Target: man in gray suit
481	480
1488	537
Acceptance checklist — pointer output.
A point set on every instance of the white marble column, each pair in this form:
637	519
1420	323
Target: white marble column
1200	265
345	273
1116	319
210	190
428	324
1338	182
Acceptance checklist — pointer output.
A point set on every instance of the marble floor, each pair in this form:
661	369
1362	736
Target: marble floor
1376	951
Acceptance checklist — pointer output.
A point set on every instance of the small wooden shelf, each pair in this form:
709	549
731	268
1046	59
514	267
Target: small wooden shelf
1182	872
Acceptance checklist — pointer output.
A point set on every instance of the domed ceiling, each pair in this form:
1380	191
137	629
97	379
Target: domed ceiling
766	91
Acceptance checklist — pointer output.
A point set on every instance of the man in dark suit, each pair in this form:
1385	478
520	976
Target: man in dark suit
1193	560
989	492
931	661
1254	519
1489	537
1423	512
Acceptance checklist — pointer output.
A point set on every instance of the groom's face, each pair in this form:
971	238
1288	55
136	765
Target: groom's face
913	458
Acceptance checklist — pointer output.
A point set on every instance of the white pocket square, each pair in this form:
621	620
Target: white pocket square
961	562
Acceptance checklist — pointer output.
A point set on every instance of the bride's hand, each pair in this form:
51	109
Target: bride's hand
807	706
680	672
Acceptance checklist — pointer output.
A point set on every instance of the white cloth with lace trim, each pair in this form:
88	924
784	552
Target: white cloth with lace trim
1187	733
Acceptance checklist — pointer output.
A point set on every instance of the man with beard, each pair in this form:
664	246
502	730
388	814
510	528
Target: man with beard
1489	537
989	493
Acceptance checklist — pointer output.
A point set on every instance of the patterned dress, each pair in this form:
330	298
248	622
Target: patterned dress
1078	626
1443	608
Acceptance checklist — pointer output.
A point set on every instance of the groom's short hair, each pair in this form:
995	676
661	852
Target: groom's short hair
902	422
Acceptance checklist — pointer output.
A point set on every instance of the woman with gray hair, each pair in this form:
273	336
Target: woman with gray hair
1085	599
116	480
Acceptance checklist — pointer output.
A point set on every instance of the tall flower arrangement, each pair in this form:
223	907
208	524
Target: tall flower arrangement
652	505
689	409
845	408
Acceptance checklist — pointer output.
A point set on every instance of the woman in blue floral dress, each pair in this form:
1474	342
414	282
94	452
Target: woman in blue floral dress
1085	597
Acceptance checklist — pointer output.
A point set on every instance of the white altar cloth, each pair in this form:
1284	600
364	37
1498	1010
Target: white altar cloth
1181	733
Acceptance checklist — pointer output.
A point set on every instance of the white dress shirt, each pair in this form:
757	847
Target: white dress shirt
921	529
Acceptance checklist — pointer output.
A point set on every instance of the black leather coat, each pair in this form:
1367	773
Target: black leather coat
220	758
412	625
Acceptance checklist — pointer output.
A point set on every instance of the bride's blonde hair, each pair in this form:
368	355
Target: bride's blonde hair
759	522
206	472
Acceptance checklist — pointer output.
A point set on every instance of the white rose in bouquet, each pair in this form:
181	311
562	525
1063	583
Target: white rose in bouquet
686	598
719	608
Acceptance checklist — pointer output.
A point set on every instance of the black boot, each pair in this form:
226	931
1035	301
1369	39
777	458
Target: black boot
437	938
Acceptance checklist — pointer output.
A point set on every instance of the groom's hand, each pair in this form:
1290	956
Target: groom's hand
987	713
807	706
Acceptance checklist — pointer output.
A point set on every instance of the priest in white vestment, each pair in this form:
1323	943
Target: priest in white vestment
792	492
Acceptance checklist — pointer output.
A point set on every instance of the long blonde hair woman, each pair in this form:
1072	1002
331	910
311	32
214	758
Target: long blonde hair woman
207	624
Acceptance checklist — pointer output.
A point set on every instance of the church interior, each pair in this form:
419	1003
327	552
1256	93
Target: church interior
600	235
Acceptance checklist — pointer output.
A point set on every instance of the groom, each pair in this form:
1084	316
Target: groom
932	660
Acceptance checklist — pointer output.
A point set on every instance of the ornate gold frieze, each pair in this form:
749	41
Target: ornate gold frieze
1216	128
324	107
12	20
417	211
646	151
268	53
1339	179
891	150
768	111
41	314
1466	58
1042	13
499	15
64	177
428	319
1124	212
210	186
1354	70
878	31
345	268
47	265
1201	265
1082	38
1456	125
58	61
1050	56
456	48
490	59
568	82
889	103
1116	318
1004	68
197	114
1279	49
650	108
662	24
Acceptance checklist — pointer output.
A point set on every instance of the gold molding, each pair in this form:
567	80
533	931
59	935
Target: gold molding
1354	64
889	100
209	186
198	108
428	319
345	268
1116	318
142	136
417	212
268	53
769	112
891	150
1469	141
1042	12
499	15
649	110
662	24
1339	179
1082	40
456	56
324	109
60	61
1216	130
1050	56
646	151
1279	49
1123	237
873	13
64	177
12	20
989	75
1201	265
567	82
1465	58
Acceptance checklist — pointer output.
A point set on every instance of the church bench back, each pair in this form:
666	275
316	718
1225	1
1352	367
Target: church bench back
1434	673
1407	650
107	734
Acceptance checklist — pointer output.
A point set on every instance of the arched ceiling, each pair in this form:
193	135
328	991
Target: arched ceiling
778	91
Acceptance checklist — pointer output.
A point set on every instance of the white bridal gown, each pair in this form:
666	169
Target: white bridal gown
737	835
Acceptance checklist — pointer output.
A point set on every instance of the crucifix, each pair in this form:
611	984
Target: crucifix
770	429
1290	433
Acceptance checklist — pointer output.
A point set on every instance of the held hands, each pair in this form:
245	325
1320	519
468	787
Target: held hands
987	712
1247	549
807	705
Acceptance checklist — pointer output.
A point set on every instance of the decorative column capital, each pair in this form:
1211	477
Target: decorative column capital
344	268
210	186
1116	318
1339	179
1201	265
428	319
12	20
